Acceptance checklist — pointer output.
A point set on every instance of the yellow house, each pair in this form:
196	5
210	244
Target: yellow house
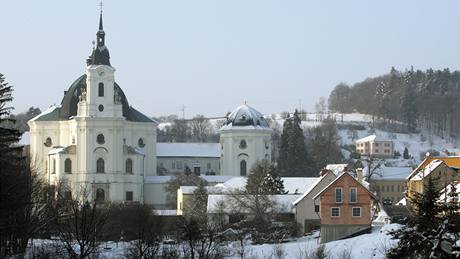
444	169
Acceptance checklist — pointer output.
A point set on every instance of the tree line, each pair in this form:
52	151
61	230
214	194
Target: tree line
419	99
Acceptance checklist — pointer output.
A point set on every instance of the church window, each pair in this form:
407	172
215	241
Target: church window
100	195
140	142
100	164
68	166
53	169
100	107
129	166
208	166
129	196
100	139
243	144
48	142
101	90
243	166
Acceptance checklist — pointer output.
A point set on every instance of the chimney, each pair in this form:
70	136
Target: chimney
359	174
323	172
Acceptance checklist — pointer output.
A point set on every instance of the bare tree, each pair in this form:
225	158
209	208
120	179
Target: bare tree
374	168
200	128
79	222
180	131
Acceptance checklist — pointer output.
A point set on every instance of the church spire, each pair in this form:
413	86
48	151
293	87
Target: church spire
100	55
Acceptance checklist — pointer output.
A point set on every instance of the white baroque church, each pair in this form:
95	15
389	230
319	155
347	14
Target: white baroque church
95	142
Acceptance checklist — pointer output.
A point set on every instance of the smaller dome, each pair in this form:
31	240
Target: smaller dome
245	116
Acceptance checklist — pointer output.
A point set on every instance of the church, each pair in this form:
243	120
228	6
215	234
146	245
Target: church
100	146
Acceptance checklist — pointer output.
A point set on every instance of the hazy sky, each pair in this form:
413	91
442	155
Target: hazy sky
211	55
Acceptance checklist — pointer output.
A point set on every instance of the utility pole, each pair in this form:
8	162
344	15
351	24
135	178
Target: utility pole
183	111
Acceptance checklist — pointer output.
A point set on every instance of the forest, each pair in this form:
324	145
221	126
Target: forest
421	100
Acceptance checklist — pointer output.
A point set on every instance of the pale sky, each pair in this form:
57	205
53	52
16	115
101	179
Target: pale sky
211	55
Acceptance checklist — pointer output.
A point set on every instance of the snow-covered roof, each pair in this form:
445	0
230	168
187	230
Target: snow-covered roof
218	189
245	117
422	173
45	112
336	168
25	138
222	202
167	178
311	188
362	183
165	212
391	173
188	150
56	150
293	185
371	138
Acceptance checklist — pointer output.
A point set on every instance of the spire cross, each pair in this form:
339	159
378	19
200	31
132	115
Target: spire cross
101	5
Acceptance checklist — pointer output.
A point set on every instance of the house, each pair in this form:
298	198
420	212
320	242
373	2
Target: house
374	145
220	203
345	208
389	183
305	213
443	170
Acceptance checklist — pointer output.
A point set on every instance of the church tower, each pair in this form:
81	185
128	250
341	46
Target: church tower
100	98
95	140
245	139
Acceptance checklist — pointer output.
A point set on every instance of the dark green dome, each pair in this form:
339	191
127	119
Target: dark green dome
69	104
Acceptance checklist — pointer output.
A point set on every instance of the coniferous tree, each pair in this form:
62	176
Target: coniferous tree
417	239
408	102
15	182
263	180
406	153
294	159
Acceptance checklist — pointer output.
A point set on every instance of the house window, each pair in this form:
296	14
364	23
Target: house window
335	212
356	212
100	139
129	196
173	165
377	151
101	90
316	208
338	195
392	188
68	166
100	195
399	188
100	164
208	166
179	165
353	195
243	168
129	166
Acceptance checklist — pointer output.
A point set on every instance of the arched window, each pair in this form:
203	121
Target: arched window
100	139
68	166
140	142
100	195
53	169
129	166
243	168
100	164
101	90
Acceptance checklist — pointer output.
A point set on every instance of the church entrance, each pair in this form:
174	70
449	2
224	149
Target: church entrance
197	170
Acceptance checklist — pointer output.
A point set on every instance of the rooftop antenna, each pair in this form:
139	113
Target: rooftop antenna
183	111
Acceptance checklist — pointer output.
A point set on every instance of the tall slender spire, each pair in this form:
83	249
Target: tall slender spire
100	54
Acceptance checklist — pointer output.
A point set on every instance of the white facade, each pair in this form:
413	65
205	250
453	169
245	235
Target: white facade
245	140
95	142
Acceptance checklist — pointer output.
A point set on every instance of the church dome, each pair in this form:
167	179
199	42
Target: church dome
245	116
69	104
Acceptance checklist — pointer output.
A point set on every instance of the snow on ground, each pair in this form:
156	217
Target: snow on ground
366	246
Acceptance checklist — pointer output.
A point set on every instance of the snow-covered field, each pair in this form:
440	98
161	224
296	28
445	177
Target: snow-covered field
373	245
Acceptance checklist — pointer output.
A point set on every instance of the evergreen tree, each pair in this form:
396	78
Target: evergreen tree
324	146
406	153
293	158
417	239
263	180
408	102
14	182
